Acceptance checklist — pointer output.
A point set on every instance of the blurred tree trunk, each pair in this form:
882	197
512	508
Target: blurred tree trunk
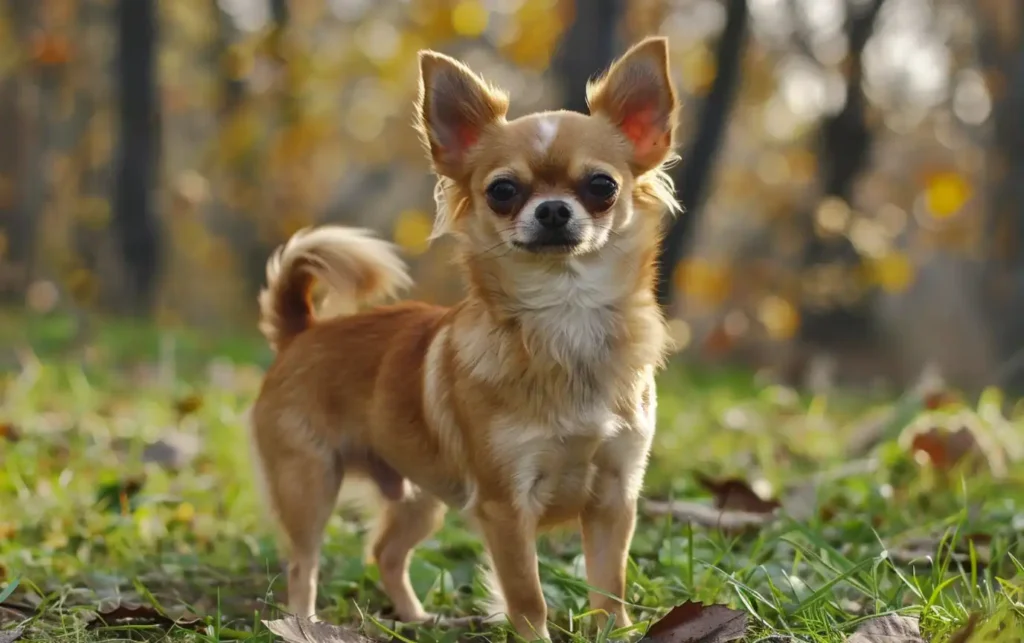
589	46
135	217
1001	51
693	176
92	243
844	148
17	220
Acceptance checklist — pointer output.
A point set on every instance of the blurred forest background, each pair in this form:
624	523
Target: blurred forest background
852	170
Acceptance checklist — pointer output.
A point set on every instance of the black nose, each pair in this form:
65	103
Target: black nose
553	214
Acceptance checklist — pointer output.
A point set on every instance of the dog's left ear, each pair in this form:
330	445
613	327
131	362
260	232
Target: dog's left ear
455	108
637	96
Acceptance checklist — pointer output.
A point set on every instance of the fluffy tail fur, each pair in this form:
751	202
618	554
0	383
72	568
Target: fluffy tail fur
355	265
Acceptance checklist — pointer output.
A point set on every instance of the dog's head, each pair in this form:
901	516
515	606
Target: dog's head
560	183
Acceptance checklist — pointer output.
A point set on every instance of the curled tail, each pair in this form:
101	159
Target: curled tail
356	266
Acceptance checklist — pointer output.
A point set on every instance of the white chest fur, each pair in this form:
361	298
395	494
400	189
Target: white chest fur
570	314
549	467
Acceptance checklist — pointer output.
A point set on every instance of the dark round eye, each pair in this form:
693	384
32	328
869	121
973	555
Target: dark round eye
602	186
503	196
502	191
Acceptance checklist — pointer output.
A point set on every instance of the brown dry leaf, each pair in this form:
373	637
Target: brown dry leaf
187	405
944	448
966	631
891	628
122	612
12	635
941	399
951	441
697	623
300	630
9	432
733	494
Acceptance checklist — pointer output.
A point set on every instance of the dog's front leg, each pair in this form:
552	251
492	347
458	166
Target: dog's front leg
608	519
511	540
607	525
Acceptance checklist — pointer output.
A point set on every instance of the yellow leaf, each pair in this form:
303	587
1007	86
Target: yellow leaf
412	231
469	18
946	193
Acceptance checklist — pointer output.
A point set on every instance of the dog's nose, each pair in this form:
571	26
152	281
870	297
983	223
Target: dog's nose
553	214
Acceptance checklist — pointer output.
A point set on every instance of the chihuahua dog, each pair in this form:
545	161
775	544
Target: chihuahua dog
528	405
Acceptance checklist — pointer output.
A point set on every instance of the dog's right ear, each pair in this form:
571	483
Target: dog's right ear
455	106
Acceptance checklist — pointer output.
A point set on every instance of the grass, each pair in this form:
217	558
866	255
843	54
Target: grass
88	519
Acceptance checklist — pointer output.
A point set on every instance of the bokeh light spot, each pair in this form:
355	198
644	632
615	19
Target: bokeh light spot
779	317
469	18
412	231
894	273
680	333
946	193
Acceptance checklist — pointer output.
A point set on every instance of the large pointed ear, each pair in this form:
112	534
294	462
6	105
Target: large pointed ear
637	96
455	106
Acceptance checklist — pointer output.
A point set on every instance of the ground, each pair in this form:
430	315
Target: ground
126	490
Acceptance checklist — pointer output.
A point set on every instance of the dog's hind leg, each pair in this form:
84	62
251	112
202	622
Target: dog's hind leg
401	525
302	487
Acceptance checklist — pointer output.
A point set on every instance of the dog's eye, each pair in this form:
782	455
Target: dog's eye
502	191
503	196
602	186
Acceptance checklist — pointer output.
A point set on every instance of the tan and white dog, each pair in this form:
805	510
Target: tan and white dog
528	405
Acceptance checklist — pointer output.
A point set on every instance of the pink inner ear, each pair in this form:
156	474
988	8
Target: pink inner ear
467	136
645	130
638	126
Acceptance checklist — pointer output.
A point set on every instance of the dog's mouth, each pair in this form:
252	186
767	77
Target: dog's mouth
547	247
561	242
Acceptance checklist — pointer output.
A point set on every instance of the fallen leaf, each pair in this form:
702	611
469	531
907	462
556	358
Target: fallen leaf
944	448
734	494
707	516
925	551
187	405
697	623
964	634
891	628
932	438
121	612
301	630
941	399
9	432
10	636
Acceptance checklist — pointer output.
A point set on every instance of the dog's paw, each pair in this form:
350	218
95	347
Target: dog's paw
420	617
